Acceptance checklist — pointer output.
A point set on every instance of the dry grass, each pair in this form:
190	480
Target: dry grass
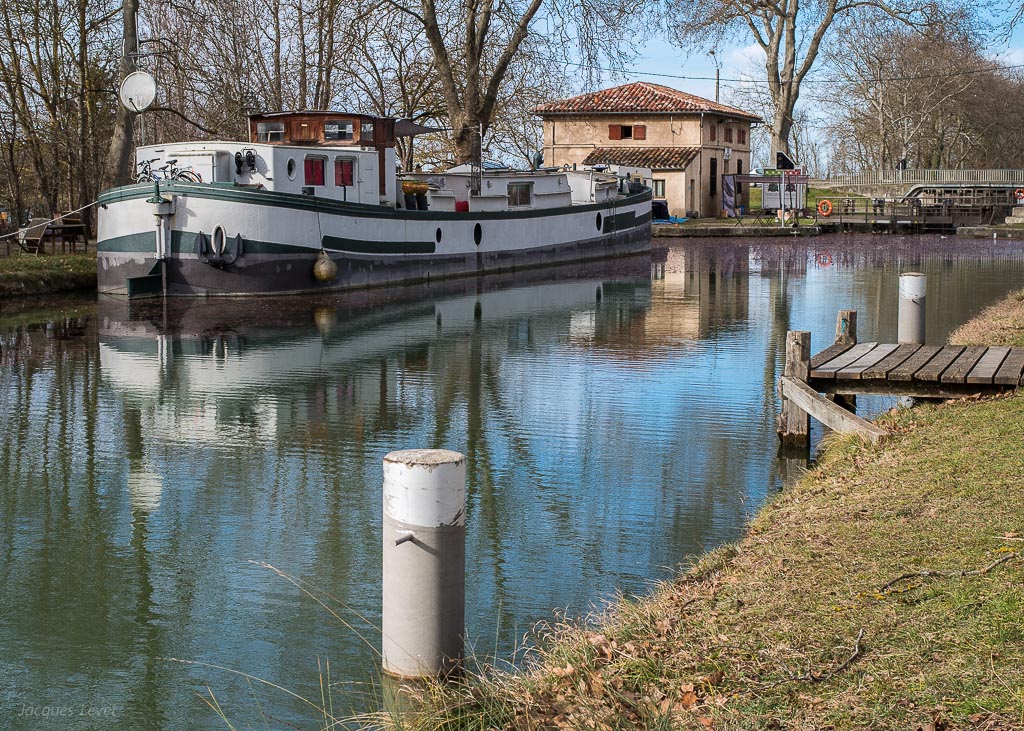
1000	324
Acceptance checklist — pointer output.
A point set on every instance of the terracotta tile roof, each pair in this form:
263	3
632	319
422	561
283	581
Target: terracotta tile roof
638	97
656	158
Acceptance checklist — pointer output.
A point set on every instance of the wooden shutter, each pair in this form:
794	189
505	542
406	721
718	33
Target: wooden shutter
639	132
615	131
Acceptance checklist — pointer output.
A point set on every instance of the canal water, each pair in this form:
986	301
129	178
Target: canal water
618	420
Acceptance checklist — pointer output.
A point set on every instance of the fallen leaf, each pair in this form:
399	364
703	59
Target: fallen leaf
564	672
688	700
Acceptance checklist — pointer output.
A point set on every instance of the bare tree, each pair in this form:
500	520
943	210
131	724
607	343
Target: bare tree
790	34
474	44
922	100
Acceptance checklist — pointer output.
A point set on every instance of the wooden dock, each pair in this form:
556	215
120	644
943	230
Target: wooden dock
848	368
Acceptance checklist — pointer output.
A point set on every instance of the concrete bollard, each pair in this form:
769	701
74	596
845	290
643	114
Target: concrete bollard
911	325
424	561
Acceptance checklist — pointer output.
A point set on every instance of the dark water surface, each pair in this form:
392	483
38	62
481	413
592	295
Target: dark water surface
617	420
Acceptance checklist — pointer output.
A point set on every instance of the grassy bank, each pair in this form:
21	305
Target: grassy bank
27	275
813	194
885	590
1000	324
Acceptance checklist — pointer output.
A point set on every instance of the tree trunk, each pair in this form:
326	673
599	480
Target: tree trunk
119	154
467	136
782	125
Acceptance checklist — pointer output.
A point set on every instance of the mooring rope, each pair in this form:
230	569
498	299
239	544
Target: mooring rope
47	223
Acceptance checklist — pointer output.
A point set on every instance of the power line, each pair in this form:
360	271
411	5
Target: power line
917	77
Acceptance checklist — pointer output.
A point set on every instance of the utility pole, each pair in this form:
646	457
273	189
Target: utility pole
718	69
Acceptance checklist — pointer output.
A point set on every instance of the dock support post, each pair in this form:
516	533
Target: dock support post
424	562
911	327
794	424
846	327
846	334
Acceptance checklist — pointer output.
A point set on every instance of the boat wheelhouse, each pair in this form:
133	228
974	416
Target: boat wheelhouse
314	201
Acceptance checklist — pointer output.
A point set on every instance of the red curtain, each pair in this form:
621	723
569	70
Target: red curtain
343	173
314	171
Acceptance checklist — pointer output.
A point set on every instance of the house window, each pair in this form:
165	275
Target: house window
742	136
366	133
713	182
627	132
344	167
314	171
658	187
728	134
713	132
520	194
269	131
337	129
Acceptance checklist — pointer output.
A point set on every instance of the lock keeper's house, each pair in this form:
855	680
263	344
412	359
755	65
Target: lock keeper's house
687	141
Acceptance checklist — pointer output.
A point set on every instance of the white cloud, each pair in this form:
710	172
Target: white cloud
744	56
1008	57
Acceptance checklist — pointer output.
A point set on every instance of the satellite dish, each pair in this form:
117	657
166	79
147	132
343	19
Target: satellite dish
138	91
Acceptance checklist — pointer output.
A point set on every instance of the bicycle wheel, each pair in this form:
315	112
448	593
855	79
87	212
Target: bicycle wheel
144	178
188	176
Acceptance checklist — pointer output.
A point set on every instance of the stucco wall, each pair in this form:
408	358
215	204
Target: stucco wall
568	141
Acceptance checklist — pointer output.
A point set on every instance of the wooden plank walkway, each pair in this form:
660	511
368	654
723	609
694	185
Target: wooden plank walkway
918	370
847	368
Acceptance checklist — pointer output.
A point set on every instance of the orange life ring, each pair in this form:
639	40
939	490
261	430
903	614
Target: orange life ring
1019	194
825	259
825	207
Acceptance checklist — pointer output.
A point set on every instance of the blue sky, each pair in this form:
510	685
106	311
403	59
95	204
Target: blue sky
660	57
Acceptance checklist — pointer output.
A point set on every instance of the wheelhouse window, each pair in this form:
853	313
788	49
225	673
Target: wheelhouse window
344	172
366	133
339	129
658	188
314	171
270	131
520	194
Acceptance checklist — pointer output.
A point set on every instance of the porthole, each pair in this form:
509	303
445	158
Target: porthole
598	221
437	236
291	168
478	234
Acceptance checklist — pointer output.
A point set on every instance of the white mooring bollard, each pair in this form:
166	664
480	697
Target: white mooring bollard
911	325
424	558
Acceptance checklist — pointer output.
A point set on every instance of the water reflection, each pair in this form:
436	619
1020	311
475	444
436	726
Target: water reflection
616	419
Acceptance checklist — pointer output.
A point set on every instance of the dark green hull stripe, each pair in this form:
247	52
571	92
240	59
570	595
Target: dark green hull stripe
228	192
336	243
132	243
184	242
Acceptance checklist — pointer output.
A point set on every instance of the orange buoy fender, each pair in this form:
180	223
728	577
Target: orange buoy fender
825	207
